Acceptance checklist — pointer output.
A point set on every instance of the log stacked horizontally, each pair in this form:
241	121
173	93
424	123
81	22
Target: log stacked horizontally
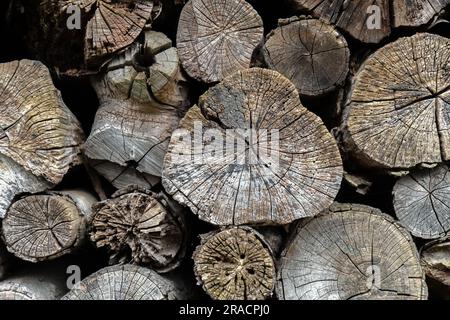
225	150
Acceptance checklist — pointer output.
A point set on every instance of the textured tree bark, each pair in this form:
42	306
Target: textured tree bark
258	156
422	201
235	264
216	38
396	115
140	107
127	282
46	226
136	225
435	259
309	52
37	131
351	252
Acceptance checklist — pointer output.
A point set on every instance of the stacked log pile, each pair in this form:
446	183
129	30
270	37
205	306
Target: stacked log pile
238	151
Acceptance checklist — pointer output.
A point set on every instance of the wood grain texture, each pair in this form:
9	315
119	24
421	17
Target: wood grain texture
414	13
422	202
235	264
435	259
126	282
46	226
309	52
350	252
398	110
138	226
216	38
247	186
37	130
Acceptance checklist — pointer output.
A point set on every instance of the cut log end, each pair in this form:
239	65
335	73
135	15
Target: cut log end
311	53
216	39
138	226
351	252
235	264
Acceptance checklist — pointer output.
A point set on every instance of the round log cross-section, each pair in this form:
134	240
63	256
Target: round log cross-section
216	38
126	282
252	154
235	264
351	252
398	112
311	53
422	202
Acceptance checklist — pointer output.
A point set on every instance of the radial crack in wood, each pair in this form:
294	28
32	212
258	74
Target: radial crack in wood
309	52
216	38
139	226
350	252
126	282
46	226
235	264
422	202
252	154
398	115
435	258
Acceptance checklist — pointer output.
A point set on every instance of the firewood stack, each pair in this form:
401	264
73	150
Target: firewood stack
238	151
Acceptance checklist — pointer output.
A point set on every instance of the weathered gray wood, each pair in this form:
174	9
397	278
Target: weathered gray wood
351	252
397	117
140	226
127	282
46	226
435	259
422	202
235	264
414	13
309	52
216	38
261	178
360	183
140	107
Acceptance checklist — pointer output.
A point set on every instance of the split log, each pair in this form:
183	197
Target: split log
126	282
396	116
361	184
416	12
235	264
46	226
216	38
422	202
37	131
139	226
435	258
309	52
279	162
351	252
143	96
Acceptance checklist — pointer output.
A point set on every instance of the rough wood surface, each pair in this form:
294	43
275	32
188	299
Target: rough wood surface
422	202
126	282
435	259
46	226
309	52
247	185
235	264
413	13
140	107
397	113
351	252
37	130
138	226
216	38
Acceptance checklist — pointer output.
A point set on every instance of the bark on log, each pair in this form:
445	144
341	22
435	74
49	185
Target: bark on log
37	130
140	107
396	116
280	163
139	226
46	226
422	202
351	252
126	282
435	259
216	38
235	264
309	52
